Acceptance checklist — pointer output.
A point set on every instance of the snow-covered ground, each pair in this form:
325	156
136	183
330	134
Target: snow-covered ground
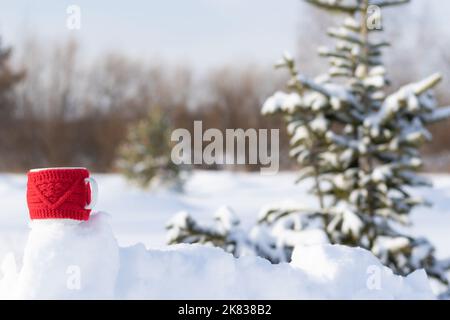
139	216
73	260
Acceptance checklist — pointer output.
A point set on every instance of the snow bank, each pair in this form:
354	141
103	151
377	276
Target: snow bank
65	260
84	261
317	272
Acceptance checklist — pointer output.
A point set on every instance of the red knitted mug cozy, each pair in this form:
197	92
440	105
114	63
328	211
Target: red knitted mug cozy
58	194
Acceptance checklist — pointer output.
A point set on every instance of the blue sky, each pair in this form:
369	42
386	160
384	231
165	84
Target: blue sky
202	32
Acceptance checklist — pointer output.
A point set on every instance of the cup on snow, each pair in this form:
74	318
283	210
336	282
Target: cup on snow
61	193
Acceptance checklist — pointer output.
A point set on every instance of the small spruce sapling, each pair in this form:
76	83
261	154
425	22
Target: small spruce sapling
145	156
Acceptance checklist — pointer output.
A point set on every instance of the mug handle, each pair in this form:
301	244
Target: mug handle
94	192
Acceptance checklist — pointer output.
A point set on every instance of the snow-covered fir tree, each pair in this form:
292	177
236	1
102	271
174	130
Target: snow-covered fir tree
145	156
8	80
368	155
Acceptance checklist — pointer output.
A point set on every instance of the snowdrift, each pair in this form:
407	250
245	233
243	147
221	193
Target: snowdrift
83	260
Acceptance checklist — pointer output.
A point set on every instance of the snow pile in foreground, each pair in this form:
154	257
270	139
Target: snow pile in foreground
63	255
84	261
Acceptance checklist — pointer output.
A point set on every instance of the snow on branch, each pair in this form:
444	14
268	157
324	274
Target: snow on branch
426	84
335	5
330	91
282	102
407	96
185	229
345	34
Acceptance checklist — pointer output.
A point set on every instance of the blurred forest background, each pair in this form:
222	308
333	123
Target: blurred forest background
58	109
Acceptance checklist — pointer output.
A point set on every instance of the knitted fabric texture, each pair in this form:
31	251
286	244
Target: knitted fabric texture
58	194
